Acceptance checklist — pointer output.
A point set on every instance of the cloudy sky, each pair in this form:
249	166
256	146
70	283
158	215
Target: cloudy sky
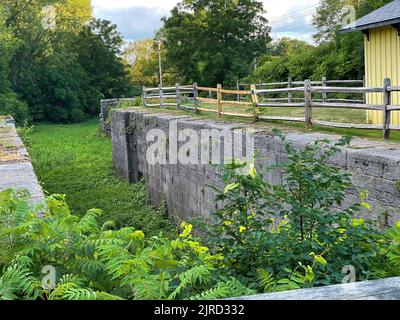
138	19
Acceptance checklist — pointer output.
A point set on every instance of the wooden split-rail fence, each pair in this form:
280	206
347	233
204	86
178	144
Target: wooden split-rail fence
298	94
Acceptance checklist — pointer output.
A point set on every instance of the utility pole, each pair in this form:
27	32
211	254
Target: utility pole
159	63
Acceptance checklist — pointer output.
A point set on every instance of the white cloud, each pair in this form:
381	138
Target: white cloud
279	8
287	17
309	18
118	4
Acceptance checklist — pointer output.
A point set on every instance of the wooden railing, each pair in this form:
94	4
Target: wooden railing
290	84
299	95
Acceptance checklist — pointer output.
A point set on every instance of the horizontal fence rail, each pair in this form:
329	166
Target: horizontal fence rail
300	94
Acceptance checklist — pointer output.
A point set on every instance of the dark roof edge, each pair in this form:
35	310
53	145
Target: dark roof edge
371	25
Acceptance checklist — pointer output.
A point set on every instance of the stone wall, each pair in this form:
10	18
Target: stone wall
106	106
16	170
187	191
387	289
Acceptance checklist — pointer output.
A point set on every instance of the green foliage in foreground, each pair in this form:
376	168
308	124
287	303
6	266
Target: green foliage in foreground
76	160
296	232
265	239
99	262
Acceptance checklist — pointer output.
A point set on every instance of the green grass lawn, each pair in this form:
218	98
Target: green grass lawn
323	114
77	161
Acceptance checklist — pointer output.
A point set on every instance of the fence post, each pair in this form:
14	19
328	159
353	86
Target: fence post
238	89
290	95
195	97
161	96
144	96
387	97
178	96
219	99
254	98
364	85
307	103
324	94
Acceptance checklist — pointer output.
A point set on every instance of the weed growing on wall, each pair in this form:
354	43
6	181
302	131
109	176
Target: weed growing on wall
24	132
398	185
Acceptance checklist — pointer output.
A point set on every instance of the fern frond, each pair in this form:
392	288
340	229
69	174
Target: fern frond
200	275
21	211
88	246
226	289
89	265
380	274
79	294
69	278
108	225
151	287
89	223
266	280
85	294
124	233
65	284
18	280
104	296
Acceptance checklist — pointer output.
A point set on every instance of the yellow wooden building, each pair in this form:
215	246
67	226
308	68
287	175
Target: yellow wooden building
381	30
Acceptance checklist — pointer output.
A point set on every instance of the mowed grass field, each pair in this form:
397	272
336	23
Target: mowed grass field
76	160
324	114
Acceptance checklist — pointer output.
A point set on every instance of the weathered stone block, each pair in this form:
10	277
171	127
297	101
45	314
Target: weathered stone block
374	166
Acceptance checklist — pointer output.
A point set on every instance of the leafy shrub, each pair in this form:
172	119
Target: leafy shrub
97	261
77	115
10	105
138	102
392	253
293	232
24	131
266	238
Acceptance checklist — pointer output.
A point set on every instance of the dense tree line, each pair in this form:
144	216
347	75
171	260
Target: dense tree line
335	55
204	41
57	61
217	41
57	67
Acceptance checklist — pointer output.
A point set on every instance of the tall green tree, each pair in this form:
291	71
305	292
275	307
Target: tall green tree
335	55
332	15
98	48
142	59
215	41
65	61
44	71
8	44
9	104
